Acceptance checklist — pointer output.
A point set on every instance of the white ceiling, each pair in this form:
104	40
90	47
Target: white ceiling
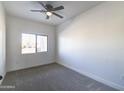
72	8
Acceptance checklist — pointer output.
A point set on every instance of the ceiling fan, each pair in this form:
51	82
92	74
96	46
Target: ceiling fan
49	10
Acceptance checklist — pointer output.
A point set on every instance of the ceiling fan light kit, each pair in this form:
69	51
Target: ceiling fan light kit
49	13
49	10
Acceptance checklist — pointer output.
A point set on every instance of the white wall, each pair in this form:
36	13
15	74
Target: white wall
2	42
15	27
93	43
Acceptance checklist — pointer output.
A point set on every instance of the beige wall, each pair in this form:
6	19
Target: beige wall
2	42
93	43
15	27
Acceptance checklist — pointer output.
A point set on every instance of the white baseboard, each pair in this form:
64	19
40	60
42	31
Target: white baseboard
97	78
21	68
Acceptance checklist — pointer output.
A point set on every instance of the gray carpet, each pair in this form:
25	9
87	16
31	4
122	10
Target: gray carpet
53	77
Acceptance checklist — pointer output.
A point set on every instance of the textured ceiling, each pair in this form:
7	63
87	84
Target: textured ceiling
72	8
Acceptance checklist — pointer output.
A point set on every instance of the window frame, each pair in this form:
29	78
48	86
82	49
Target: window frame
22	41
35	43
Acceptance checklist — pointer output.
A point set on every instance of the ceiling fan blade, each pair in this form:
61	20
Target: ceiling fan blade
42	4
58	8
37	11
57	15
47	17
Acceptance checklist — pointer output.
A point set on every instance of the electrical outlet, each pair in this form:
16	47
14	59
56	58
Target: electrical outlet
1	77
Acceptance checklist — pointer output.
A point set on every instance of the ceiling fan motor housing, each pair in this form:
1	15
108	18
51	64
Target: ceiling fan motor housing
49	7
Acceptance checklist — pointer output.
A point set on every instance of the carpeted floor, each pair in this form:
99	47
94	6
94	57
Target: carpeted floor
53	77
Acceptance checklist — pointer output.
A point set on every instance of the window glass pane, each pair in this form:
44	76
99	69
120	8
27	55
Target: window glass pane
41	43
28	43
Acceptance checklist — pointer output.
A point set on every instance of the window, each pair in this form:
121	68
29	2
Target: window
28	43
32	43
41	43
